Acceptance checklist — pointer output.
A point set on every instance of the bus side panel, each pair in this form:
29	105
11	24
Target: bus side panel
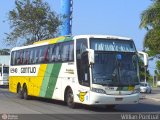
49	81
14	80
12	84
38	80
53	80
46	79
66	79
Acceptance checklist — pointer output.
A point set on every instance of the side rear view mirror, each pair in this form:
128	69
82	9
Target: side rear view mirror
90	56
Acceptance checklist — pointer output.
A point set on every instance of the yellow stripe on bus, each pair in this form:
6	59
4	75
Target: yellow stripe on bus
50	41
39	79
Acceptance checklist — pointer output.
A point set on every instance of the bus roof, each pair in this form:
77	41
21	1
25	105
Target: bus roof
46	42
69	38
103	36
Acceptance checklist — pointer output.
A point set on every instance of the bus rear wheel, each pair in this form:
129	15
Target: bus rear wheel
70	99
25	93
19	92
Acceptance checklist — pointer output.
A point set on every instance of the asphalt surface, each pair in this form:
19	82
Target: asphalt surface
10	104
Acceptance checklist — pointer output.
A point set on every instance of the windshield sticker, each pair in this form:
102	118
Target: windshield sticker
130	88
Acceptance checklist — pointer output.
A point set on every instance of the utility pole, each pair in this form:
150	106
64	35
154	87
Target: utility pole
66	12
145	69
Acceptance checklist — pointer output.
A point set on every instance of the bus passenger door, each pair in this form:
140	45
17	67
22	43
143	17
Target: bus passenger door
82	64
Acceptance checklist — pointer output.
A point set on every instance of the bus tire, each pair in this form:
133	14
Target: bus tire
19	92
25	93
70	99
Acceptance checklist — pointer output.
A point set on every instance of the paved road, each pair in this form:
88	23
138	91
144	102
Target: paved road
9	103
154	96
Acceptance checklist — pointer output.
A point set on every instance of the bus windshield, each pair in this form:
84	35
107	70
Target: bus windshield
113	67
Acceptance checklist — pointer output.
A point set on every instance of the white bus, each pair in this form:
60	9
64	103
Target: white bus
4	74
86	69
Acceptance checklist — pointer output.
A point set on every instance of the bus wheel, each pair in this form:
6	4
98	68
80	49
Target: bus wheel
19	92
25	93
70	99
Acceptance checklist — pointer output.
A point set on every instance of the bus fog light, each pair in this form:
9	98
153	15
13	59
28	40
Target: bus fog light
97	90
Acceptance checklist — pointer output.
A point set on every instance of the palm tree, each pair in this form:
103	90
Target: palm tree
150	20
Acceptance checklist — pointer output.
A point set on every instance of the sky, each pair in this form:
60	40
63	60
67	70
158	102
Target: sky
109	17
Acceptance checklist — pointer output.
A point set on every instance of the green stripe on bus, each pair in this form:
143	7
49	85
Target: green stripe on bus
65	39
53	80
46	79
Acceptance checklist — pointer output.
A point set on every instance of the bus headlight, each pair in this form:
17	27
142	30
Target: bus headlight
97	90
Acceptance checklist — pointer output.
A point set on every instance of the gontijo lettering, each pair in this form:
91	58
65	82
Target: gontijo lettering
28	70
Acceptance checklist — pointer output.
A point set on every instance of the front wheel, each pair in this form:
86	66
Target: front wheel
70	99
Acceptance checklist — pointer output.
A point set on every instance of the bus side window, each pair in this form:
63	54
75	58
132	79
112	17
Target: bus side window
36	55
21	57
13	58
57	53
26	57
51	53
31	58
71	51
45	55
41	55
67	52
17	57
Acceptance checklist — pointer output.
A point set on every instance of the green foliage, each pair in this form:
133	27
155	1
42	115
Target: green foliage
30	21
150	20
157	71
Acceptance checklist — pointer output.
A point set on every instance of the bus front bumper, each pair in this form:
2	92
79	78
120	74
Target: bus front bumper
104	99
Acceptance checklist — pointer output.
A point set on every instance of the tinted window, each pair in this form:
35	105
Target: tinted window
13	58
43	54
67	51
31	56
61	52
36	55
57	53
18	57
51	53
26	56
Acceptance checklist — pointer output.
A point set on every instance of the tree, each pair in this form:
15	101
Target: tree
157	71
30	21
150	20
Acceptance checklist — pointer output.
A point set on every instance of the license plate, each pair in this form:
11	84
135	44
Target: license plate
118	99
